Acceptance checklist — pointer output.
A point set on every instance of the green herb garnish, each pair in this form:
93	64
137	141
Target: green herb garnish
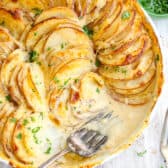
25	122
159	7
35	130
126	15
56	80
141	154
8	98
48	151
1	102
19	136
32	119
37	11
98	90
33	56
97	63
88	31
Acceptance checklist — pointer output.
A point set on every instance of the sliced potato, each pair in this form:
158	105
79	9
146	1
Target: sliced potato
131	71
135	83
45	27
7	131
10	63
63	38
127	54
100	29
105	12
70	71
137	99
31	84
14	25
13	86
38	135
57	12
56	59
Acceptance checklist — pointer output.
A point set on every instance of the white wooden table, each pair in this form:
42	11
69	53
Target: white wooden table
150	140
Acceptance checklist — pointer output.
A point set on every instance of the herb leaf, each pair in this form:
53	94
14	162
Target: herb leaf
88	31
126	15
35	130
141	154
8	98
19	136
33	56
37	11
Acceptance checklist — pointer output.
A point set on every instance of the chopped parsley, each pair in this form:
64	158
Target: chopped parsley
37	11
76	80
13	120
35	130
8	98
67	81
48	151
97	63
19	136
126	15
33	56
2	23
155	6
98	90
32	119
63	45
49	48
1	102
36	140
35	34
87	31
141	154
56	80
25	122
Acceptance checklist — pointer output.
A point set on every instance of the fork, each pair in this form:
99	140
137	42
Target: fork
164	139
83	142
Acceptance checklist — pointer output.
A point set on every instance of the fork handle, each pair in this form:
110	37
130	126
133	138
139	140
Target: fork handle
54	158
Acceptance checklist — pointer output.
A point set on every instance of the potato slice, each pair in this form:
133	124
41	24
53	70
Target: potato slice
13	86
44	28
63	38
91	93
40	136
31	85
128	53
70	71
14	25
9	64
104	13
56	59
8	128
100	29
58	12
137	99
131	71
135	83
26	4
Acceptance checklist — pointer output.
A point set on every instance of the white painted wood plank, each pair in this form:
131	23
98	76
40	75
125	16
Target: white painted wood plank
150	140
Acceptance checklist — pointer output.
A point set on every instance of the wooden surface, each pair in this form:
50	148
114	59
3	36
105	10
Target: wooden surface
149	142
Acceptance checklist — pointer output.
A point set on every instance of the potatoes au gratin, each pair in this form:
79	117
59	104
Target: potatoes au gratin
63	61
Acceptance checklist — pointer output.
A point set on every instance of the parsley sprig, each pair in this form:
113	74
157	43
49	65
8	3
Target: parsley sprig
155	6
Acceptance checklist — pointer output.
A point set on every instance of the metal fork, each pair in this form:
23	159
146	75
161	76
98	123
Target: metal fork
164	139
83	142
